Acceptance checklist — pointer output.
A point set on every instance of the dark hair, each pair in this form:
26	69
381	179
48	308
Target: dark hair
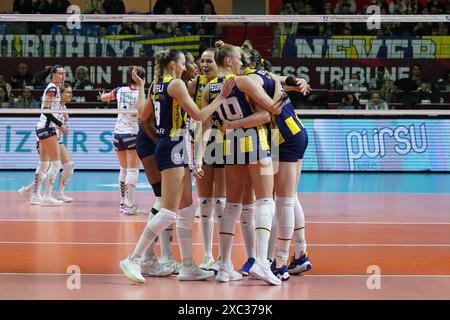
55	68
381	68
163	58
139	71
6	93
65	86
251	56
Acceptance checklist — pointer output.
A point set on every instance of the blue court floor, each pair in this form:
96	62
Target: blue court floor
310	182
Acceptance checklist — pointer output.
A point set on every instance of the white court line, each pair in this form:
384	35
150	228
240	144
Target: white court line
302	276
197	220
238	244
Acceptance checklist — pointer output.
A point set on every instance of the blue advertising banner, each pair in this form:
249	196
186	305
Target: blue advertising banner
334	144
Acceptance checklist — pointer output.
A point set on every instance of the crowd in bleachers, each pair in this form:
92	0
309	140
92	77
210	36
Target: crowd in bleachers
21	89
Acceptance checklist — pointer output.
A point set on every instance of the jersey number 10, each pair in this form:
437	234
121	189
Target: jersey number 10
230	109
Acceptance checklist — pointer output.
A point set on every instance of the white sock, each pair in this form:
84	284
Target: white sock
285	221
265	208
299	230
219	206
130	183
66	174
184	223
122	186
247	220
40	176
273	237
207	223
153	228
149	252
227	223
166	237
52	173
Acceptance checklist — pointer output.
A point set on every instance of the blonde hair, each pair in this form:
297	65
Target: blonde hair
162	59
223	50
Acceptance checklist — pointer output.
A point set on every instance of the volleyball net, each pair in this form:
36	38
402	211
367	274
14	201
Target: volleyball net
367	72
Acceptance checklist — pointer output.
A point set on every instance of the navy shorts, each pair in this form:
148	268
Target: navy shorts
169	153
45	133
124	141
245	148
145	147
293	149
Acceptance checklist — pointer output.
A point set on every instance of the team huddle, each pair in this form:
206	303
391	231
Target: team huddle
231	125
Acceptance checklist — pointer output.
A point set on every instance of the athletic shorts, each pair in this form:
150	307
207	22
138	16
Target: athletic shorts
45	133
145	146
292	149
124	141
245	148
169	153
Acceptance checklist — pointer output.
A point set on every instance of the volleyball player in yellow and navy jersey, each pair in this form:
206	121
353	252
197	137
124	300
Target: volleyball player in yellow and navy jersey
247	156
211	188
167	97
289	140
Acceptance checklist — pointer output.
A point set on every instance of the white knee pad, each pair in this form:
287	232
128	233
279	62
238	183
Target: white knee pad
206	209
230	215
219	206
53	170
186	217
248	214
43	166
285	217
265	209
132	176
68	169
299	214
161	221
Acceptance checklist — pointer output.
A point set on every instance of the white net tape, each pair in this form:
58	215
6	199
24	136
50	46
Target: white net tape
222	18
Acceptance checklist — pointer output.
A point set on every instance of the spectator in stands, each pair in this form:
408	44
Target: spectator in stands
161	6
438	5
349	102
377	82
398	7
386	90
82	79
102	31
60	6
4	98
23	6
5	84
287	28
441	29
41	6
208	9
428	93
127	28
345	7
22	78
376	103
443	83
94	7
26	100
415	7
309	29
166	27
114	7
413	82
354	84
17	27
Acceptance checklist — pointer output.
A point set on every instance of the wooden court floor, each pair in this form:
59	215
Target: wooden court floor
406	236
